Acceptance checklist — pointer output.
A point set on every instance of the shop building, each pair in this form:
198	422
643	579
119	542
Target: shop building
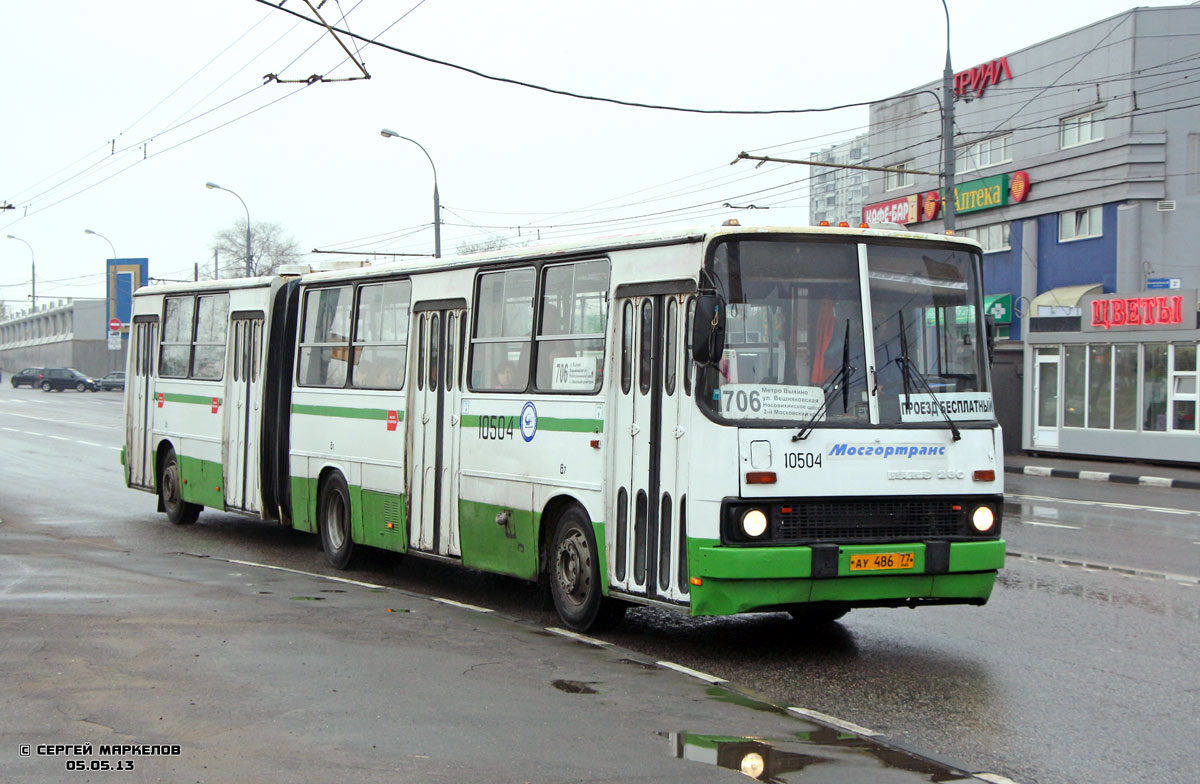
1078	171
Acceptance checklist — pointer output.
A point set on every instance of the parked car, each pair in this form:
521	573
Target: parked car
67	378
29	377
114	380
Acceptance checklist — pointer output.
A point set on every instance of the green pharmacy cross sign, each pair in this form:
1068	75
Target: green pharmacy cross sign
999	307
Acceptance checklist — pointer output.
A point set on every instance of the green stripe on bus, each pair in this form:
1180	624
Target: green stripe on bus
345	412
554	424
200	400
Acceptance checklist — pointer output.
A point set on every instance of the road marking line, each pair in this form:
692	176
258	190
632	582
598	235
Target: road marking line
90	443
463	605
1128	571
825	718
579	637
56	421
995	778
1050	525
1108	504
59	438
291	571
704	676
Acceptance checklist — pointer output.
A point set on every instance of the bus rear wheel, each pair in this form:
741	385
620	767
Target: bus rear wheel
575	576
333	518
170	492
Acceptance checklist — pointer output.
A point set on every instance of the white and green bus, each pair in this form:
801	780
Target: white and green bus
717	421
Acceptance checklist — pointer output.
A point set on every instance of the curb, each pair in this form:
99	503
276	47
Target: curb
1103	476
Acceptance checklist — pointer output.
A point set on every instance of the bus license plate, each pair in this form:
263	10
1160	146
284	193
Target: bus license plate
875	562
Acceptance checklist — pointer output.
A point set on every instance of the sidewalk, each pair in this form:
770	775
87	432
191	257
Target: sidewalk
1130	473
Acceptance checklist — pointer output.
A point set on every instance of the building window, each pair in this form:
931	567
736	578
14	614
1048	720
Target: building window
898	179
1081	129
1080	224
984	153
993	237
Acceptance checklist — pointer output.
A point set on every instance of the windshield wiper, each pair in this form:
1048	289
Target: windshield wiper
908	372
843	375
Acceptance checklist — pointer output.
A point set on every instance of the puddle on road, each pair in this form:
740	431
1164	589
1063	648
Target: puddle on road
733	698
308	598
575	687
766	759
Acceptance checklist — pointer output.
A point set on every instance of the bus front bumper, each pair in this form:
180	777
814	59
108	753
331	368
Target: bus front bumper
781	578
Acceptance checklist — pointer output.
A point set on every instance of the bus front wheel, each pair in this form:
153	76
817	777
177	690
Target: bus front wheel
333	518
170	491
575	579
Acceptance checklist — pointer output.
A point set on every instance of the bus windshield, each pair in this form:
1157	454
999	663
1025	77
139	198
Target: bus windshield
796	339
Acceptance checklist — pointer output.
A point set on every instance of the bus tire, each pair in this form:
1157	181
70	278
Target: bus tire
575	579
333	519
170	492
817	616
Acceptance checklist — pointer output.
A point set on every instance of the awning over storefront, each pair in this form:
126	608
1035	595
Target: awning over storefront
1062	301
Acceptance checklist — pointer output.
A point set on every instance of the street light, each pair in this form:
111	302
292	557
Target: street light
249	268
106	239
32	272
437	202
948	156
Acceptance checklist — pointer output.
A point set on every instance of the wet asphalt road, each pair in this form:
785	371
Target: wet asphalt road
1081	668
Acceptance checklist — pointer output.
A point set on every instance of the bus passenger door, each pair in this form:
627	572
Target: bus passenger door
644	493
243	388
433	431
139	407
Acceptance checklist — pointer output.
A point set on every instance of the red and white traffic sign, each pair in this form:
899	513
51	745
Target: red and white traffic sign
114	325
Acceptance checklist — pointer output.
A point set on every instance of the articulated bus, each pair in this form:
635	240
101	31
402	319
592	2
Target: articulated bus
718	421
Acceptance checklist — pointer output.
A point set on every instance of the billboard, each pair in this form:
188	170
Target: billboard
124	277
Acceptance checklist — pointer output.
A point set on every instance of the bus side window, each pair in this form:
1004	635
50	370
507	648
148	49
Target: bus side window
325	337
687	353
670	346
212	329
381	335
627	348
175	356
503	329
572	319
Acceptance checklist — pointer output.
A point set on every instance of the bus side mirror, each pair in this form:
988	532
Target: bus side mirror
989	328
708	328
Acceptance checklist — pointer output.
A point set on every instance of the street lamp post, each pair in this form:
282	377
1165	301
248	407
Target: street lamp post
948	156
106	239
32	272
437	202
249	266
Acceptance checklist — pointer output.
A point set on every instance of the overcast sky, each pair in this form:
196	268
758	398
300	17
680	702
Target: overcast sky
116	114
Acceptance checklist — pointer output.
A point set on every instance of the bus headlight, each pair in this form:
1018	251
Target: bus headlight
983	518
754	523
753	765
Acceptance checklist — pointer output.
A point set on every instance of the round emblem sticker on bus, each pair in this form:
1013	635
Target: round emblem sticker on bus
528	421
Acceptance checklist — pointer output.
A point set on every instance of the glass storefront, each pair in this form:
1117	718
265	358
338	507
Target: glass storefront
1131	398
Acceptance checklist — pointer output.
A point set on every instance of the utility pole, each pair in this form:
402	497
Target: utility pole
948	156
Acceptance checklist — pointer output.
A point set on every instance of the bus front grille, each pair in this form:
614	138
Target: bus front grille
866	519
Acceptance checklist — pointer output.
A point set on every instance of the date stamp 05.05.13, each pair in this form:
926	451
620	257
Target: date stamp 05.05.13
99	757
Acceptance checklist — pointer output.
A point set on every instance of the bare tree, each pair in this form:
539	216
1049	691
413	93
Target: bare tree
269	248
